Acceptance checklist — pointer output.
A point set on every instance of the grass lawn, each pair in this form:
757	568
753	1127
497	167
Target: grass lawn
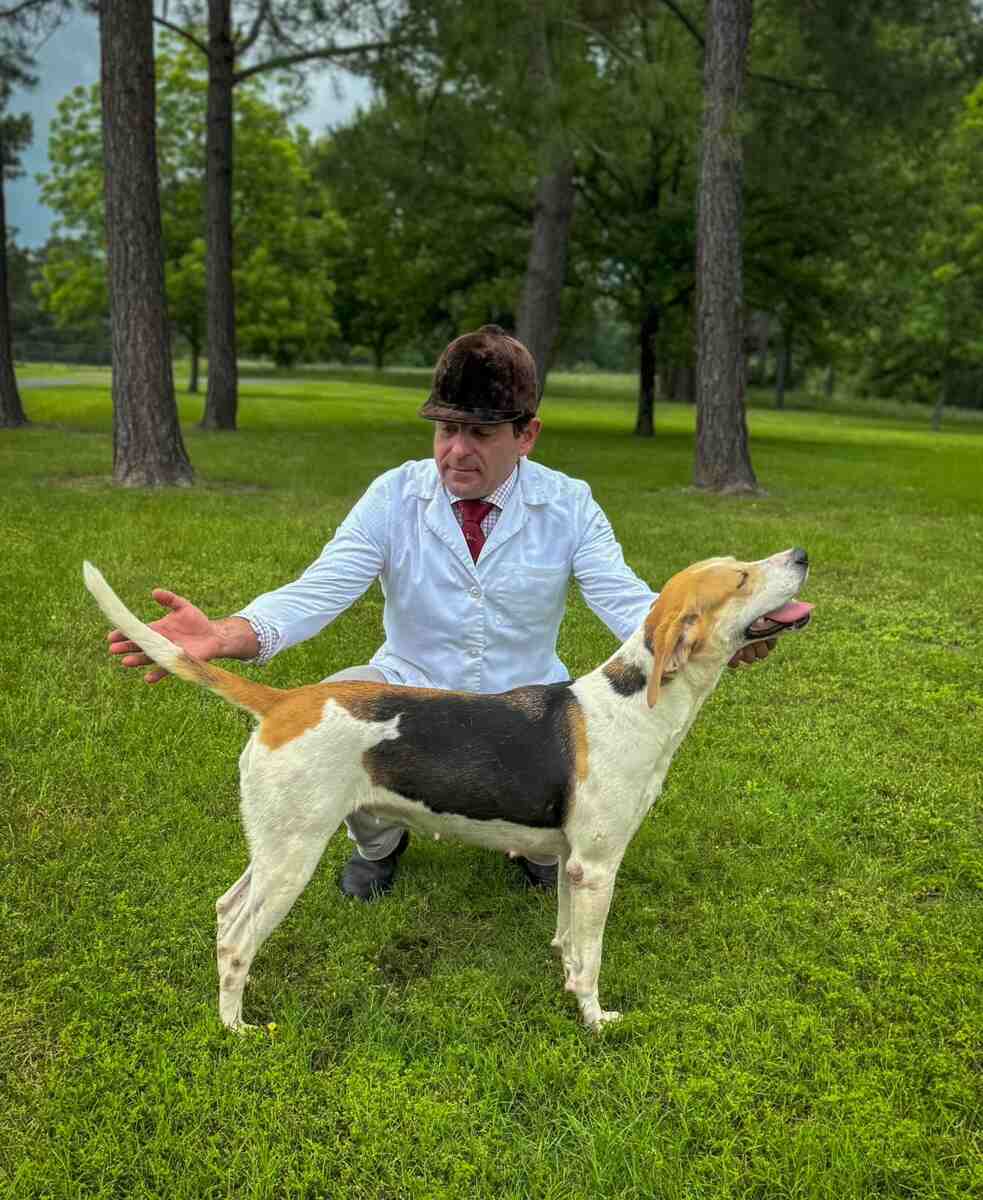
796	933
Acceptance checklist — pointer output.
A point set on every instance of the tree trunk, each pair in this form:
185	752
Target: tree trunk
194	345
221	400
683	385
763	331
940	400
784	367
829	385
147	446
538	319
723	462
11	410
538	315
647	333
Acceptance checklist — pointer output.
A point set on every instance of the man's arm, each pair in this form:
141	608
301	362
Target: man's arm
343	571
617	595
189	628
609	586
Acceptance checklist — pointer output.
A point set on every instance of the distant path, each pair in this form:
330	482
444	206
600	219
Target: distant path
64	381
80	381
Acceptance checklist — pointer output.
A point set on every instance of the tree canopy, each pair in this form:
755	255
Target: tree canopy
417	217
290	236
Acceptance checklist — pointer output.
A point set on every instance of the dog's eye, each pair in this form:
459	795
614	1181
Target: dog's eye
744	576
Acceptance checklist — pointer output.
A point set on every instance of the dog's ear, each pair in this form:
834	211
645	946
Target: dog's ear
672	640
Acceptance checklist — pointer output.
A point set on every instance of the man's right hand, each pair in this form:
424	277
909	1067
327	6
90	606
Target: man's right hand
185	626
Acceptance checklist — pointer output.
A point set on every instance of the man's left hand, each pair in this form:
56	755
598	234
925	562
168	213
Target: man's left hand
751	654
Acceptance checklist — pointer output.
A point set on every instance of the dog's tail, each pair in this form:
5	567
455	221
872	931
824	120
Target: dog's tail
257	698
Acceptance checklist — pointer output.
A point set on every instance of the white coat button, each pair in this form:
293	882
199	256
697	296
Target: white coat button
475	653
476	592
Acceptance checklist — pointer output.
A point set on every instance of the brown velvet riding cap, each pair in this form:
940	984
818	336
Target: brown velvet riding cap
483	378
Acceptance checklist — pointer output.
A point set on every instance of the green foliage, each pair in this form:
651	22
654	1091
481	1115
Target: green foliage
389	235
34	330
637	160
434	196
919	306
797	933
16	133
950	309
858	152
437	180
288	237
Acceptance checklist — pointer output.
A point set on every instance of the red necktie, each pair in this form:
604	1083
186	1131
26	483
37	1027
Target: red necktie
472	513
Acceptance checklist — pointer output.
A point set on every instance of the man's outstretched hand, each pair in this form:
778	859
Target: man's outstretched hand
185	626
750	654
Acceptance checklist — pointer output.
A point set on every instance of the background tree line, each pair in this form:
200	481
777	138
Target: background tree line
545	170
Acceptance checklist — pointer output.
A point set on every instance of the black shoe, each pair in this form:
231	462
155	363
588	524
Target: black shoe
536	875
368	879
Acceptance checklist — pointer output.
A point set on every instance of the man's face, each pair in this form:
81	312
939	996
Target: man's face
474	459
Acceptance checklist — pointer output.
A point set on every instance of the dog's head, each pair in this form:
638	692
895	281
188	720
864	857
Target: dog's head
715	607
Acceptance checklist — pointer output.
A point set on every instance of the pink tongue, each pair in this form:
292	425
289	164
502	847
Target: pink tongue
789	613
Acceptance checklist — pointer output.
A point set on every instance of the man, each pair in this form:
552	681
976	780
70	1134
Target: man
474	549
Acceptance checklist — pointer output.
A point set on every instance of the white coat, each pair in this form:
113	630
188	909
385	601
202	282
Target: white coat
449	622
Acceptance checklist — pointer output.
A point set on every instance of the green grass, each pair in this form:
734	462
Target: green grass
796	933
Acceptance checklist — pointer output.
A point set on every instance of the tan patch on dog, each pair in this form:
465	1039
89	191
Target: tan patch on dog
578	740
258	698
698	591
302	708
356	696
685	613
298	711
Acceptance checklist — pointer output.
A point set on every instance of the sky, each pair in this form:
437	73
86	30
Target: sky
69	57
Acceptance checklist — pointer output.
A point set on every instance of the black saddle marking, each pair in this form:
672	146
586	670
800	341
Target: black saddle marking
510	757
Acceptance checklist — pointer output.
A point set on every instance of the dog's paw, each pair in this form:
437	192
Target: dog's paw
604	1017
247	1029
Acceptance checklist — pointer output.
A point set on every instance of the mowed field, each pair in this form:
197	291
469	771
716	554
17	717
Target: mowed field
797	929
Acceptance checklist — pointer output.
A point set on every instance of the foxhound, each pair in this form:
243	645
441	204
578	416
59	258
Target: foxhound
567	768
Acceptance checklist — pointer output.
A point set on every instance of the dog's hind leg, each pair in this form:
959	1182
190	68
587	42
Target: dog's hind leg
231	910
256	904
228	906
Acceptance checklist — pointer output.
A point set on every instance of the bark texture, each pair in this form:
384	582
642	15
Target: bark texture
723	461
222	396
538	316
783	368
194	365
148	449
647	333
11	410
675	382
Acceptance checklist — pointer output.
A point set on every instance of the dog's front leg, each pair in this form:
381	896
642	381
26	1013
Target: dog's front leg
561	940
591	889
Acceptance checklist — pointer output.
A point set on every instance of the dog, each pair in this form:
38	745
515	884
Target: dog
567	768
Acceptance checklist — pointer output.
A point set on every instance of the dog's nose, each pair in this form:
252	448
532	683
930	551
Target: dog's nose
800	557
